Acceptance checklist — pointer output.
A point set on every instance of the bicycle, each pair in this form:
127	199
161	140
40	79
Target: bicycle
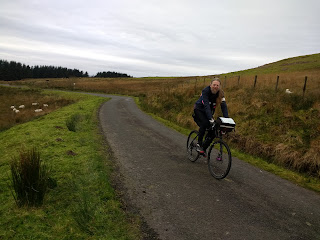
219	154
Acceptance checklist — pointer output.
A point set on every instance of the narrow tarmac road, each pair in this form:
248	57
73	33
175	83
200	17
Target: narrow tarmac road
180	199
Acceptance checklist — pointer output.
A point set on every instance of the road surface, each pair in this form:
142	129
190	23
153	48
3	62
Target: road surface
181	200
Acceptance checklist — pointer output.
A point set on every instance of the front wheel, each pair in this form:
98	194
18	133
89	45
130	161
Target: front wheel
219	159
192	141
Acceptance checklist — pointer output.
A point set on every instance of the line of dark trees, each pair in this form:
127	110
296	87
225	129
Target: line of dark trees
111	75
12	70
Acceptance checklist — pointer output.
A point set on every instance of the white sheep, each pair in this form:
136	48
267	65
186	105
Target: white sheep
12	107
21	106
35	104
38	110
16	111
45	105
288	91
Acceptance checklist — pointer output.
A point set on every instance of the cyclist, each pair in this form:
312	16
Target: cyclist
204	109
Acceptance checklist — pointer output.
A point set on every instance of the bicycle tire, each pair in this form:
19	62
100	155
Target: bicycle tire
219	160
192	141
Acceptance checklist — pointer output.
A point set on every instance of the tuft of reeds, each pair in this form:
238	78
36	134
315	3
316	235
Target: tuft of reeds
72	122
29	177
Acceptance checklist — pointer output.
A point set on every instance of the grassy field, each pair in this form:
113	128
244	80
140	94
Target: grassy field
307	63
28	100
83	204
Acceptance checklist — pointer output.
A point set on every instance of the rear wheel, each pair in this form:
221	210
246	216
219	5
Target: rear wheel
192	153
219	159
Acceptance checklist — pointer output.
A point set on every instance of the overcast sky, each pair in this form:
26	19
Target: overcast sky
158	37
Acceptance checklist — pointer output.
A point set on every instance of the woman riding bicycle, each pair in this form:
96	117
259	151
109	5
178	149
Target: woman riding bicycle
204	109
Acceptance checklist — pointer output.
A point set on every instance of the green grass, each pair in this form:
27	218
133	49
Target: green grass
295	64
83	205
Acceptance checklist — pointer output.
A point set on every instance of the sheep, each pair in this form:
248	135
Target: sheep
12	107
288	91
21	106
38	110
45	105
35	104
16	111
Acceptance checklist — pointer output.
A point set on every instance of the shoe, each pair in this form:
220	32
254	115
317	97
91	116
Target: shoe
201	151
199	148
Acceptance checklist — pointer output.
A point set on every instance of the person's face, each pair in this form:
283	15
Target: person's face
215	86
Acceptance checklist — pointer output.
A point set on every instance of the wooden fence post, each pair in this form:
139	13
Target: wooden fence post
277	83
255	81
305	85
195	87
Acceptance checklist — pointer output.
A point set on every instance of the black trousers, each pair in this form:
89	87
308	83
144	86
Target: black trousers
203	122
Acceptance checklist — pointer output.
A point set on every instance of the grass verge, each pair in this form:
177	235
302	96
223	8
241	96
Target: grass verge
83	205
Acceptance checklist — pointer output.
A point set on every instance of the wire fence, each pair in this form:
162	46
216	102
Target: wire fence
299	84
289	83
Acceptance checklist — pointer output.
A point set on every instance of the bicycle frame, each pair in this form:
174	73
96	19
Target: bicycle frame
218	133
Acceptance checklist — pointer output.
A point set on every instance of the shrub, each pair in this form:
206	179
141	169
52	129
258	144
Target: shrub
72	122
29	178
298	103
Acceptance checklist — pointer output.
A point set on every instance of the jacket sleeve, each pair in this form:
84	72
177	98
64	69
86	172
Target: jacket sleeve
223	105
206	103
224	109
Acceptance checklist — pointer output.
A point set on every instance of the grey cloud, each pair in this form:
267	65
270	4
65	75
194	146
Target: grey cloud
145	38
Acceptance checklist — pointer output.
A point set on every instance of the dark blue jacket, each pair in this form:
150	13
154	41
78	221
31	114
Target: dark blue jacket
208	101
